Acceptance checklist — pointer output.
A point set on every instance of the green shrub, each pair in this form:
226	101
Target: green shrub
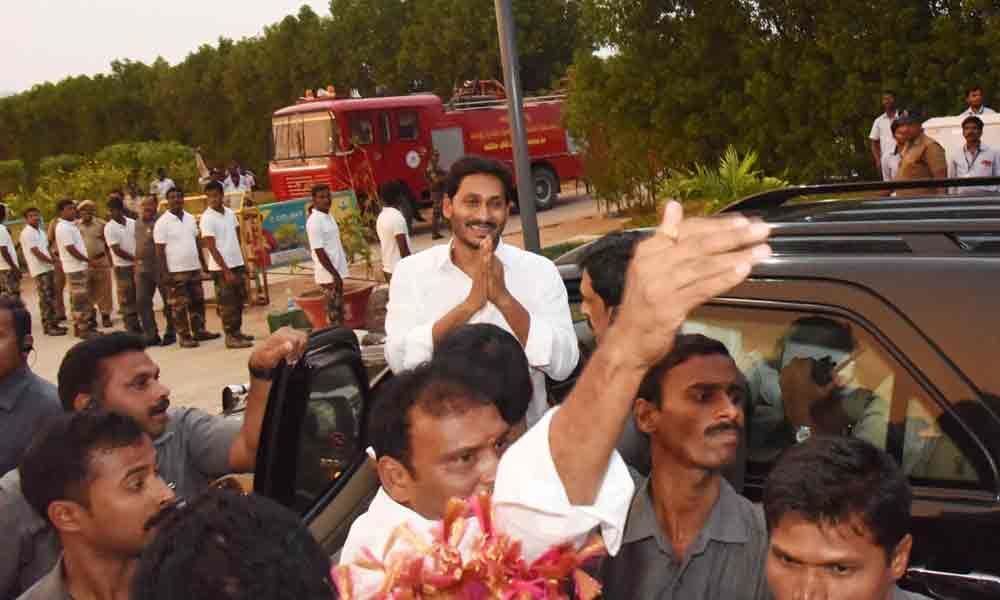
734	178
12	176
65	163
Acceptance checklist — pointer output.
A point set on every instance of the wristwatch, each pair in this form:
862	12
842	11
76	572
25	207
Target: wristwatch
259	373
803	433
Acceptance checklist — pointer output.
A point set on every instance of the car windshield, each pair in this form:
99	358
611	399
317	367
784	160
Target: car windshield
304	136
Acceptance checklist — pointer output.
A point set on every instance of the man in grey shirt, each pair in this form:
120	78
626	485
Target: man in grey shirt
114	373
25	398
689	534
838	515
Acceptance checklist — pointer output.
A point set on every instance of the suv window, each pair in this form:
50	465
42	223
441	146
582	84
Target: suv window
877	398
362	131
409	128
331	431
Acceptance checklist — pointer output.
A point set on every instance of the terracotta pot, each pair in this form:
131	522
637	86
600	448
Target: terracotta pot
356	294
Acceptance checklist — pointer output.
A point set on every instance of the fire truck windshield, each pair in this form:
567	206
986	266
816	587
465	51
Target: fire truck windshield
305	135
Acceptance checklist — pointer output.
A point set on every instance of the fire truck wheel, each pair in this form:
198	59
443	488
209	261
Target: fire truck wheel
546	187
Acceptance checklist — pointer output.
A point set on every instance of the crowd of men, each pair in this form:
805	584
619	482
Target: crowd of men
108	499
902	151
142	254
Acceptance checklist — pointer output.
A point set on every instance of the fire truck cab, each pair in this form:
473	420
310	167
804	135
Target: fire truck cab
361	143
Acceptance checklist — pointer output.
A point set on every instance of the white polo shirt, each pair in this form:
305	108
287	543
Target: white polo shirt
245	184
181	239
35	238
222	227
983	110
68	234
882	131
7	242
124	237
391	223
969	163
324	233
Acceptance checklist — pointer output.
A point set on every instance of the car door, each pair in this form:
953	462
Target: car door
312	455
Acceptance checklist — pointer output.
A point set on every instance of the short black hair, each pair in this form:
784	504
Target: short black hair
175	190
80	368
607	260
894	125
391	192
832	480
496	360
319	187
437	387
822	331
889	93
974	120
973	88
62	204
20	315
686	346
3	212
56	465
116	203
213	186
224	545
478	165
29	210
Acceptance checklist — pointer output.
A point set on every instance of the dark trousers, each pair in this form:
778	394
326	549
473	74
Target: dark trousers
146	285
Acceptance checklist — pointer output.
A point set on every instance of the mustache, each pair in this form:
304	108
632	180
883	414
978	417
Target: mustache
160	407
724	427
162	514
481	224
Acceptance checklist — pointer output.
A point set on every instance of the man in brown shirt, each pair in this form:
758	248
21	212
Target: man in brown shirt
923	158
148	278
60	276
99	274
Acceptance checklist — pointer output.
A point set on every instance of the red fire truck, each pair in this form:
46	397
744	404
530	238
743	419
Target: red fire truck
361	143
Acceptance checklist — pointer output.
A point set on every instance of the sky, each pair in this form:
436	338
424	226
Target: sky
48	40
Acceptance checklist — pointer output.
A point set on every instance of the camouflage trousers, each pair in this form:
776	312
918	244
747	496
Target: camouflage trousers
127	304
334	293
231	298
80	302
10	283
187	303
45	285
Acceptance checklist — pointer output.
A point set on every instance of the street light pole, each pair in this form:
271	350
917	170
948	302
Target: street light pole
512	83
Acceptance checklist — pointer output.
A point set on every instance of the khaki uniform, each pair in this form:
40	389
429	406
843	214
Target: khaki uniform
923	158
148	280
99	273
58	277
231	298
435	179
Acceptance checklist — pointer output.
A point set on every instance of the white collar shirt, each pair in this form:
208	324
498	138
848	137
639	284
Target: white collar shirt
161	187
222	227
427	285
882	132
35	238
181	239
68	234
245	184
530	505
122	236
984	162
324	233
983	110
391	223
7	242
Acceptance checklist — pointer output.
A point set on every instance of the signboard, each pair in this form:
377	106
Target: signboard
283	228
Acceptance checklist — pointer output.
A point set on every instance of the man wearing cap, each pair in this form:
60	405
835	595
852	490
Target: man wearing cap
976	159
99	274
923	158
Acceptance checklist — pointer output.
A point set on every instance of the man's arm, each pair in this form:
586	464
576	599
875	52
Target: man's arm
478	296
685	264
209	244
324	261
286	344
41	255
201	255
72	249
117	249
10	260
404	246
161	258
937	161
877	152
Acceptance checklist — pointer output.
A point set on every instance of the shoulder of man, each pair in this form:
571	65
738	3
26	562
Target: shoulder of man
420	262
530	259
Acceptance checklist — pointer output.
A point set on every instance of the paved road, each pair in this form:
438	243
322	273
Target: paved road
196	376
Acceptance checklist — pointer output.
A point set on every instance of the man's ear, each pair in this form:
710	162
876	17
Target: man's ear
66	515
447	207
397	480
646	415
82	402
900	559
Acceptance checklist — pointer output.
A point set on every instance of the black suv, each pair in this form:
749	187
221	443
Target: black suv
913	282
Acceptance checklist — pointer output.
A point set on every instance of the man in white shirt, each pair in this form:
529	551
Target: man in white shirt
975	160
882	141
10	269
548	488
161	185
41	267
220	235
236	180
974	103
76	264
393	234
329	260
176	237
119	233
479	279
